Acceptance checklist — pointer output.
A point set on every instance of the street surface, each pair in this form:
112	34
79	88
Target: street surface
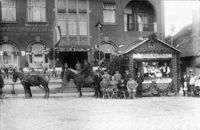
65	111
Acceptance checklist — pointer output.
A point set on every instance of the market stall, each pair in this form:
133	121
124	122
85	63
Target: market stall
157	62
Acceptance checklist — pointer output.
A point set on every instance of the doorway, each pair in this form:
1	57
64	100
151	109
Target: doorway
72	57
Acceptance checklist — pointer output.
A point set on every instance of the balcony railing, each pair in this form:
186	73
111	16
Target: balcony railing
150	27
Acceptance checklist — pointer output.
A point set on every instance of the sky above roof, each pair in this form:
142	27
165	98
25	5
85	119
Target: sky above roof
178	13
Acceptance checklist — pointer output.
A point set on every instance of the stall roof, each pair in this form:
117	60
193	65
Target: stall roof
129	47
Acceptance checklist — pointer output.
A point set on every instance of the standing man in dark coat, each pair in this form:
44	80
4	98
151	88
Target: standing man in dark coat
139	80
97	80
1	84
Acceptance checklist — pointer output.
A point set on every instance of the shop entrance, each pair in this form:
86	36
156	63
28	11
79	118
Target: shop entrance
72	57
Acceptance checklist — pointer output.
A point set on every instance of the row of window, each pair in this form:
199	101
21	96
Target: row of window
36	10
72	15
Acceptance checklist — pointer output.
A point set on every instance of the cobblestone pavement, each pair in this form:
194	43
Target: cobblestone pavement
67	112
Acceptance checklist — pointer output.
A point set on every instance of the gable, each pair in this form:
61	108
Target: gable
154	46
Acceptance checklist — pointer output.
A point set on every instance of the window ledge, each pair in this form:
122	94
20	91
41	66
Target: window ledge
110	24
42	23
8	22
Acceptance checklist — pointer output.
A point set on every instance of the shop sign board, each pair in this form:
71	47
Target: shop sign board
151	56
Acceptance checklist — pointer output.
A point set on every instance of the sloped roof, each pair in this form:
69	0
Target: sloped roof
127	48
188	42
133	45
189	46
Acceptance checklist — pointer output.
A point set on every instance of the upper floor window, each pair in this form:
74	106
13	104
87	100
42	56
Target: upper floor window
61	6
73	24
8	10
139	16
109	13
82	5
75	21
36	10
83	21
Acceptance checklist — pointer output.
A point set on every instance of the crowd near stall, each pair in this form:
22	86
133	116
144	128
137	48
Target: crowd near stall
143	67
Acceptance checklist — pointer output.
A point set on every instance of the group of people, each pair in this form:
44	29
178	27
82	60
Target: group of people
154	71
118	85
6	71
191	85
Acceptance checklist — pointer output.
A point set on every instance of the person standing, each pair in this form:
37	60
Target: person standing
63	74
165	70
106	76
132	87
127	75
197	86
191	84
6	72
185	85
78	66
97	81
1	84
139	80
87	69
104	87
117	76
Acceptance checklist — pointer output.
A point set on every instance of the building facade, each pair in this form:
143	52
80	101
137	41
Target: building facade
26	32
26	28
90	25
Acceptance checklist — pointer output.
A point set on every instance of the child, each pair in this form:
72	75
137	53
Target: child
113	88
131	87
104	87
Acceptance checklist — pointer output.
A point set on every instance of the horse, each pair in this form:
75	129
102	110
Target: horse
80	80
28	81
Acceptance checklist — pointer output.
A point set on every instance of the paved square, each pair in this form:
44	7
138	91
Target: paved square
67	112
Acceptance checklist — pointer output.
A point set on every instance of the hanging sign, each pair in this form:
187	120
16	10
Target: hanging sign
1	53
151	56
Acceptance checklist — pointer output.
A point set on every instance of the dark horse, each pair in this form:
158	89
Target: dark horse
80	80
28	81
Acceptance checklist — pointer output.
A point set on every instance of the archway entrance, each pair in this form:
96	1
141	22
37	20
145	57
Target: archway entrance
8	55
108	48
72	57
37	57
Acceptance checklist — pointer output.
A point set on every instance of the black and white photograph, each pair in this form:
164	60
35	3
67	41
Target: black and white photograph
99	64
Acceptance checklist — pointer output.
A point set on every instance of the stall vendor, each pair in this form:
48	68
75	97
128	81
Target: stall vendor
165	70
